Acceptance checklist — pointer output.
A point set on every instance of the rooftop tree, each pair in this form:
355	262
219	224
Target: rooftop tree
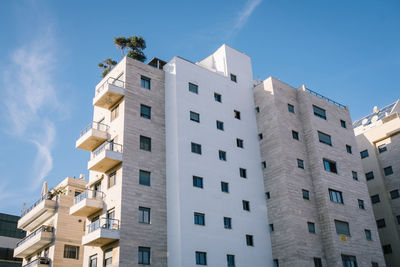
134	44
107	65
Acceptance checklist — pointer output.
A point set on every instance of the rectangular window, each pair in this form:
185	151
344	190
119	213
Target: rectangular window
108	257
233	78
194	116
145	82
93	261
249	240
267	195
276	263
227	223
324	138
330	166
342	228
246	205
335	196
398	219
222	155
144	215
361	204
349	261
394	194
311	227
355	175
290	108
369	176
257	109
71	252
387	249
306	194
317	262
198	181
295	135
201	258
230	260
236	114
382	148
375	264
196	148
144	255
364	154
199	218
300	163
260	136
220	125
145	111
375	199
388	170
348	149
264	165
343	124
114	113
112	179
145	143
368	234
239	142
271	227
243	172
193	88
217	97
144	177
380	223
319	112
225	187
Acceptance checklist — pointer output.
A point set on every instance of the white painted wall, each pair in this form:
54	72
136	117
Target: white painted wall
184	237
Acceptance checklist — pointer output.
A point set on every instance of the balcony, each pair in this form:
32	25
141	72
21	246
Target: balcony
109	93
101	232
37	213
105	157
33	242
39	262
87	203
92	136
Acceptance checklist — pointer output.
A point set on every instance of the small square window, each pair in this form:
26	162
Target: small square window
239	142
375	199
230	260
343	124
348	149
311	227
375	264
194	116
236	114
295	135
324	138
369	176
197	181
342	228
380	223
319	112
300	163
217	97
271	227
144	177
260	136
290	108
220	125
257	109
355	175
233	78
364	154
243	173
267	195
145	111
382	148
225	187
249	240
388	170
222	155
144	215
368	234
201	258
145	143
330	166
145	82
263	165
144	255
387	249
71	252
361	204
227	223
193	88
246	205
306	194
317	262
394	194
199	218
335	196
196	148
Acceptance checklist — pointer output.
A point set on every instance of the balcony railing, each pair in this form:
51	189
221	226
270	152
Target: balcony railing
103	223
43	228
107	146
112	81
325	98
26	210
94	125
39	261
92	194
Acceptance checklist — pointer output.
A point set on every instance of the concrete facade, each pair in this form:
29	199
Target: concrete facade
379	134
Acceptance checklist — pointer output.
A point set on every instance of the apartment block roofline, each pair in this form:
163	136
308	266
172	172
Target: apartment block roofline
377	114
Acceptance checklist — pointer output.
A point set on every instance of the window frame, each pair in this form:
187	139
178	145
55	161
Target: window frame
198	181
364	154
319	112
144	176
144	215
144	109
324	138
199	218
145	82
291	108
201	257
145	143
196	148
194	116
336	196
342	224
71	254
332	167
193	88
227	222
311	227
144	255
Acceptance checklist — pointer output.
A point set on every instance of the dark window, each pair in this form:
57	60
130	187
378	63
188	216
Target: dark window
295	135
348	149
342	228
271	227
217	97
144	215
387	249
246	205
239	142
369	176
263	164
300	163
290	108
108	257
193	88
375	264
194	116
388	170
71	252
112	179
349	261
145	82
243	173
276	263
361	204
335	196
197	181
93	261
330	166
225	187
368	234
380	223
196	148
267	195
220	125
355	175
364	154
144	177
375	199
382	148
227	223
201	258
324	138
249	240
394	194
236	114
144	255
199	218
233	78
343	123
260	136
317	262
145	111
230	260
311	227
222	155
319	112
306	194
257	109
145	143
398	219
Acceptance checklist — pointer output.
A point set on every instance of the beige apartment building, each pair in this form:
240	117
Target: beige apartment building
53	236
319	210
378	138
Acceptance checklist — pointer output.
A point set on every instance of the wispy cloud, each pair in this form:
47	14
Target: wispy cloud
243	16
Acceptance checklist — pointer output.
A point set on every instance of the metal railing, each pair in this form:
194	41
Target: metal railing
43	228
107	146
103	223
38	261
325	98
112	81
95	125
37	202
92	194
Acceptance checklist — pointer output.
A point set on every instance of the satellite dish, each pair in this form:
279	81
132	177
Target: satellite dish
364	121
374	118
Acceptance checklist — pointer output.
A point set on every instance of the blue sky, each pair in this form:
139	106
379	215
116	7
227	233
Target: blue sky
346	50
